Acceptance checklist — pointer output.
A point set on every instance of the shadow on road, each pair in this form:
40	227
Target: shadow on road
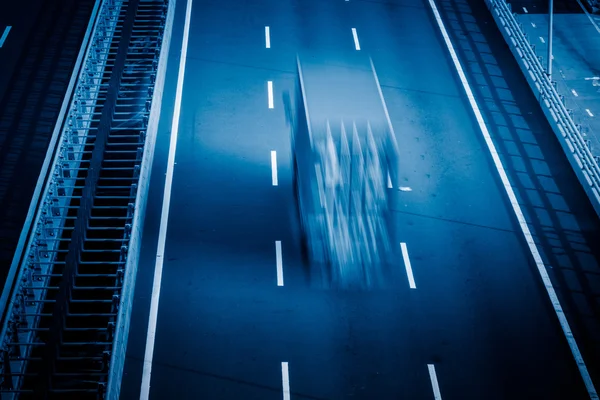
558	213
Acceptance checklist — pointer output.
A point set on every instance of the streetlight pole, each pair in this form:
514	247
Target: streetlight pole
550	23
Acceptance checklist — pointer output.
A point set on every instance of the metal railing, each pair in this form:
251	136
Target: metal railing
560	118
65	304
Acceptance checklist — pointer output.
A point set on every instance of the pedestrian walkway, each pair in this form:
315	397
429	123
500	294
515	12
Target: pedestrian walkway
576	61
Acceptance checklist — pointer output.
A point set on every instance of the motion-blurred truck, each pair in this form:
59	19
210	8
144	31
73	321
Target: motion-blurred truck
345	166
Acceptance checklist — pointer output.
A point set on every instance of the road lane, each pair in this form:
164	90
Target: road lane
36	62
21	17
558	213
443	151
224	325
227	154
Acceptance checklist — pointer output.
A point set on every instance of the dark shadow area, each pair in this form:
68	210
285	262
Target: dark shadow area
558	213
207	375
542	6
29	110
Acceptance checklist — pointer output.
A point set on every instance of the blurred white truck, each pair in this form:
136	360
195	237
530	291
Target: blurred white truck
345	166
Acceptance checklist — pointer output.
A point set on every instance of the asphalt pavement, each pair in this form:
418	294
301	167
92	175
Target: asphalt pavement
17	19
37	56
479	319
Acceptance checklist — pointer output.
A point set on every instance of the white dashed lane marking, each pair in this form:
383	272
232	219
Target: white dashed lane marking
5	35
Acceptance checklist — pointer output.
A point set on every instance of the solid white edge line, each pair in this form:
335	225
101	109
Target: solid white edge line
409	272
437	395
267	37
270	93
5	35
164	218
355	36
278	258
274	167
285	380
585	375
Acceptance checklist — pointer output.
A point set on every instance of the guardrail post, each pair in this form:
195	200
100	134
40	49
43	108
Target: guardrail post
43	388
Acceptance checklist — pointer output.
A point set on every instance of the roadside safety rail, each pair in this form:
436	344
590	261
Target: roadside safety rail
67	300
560	118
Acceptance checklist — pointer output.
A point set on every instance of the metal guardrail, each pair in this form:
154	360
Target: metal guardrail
560	118
65	303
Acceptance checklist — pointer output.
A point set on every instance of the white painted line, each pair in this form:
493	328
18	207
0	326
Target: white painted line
405	189
532	24
585	375
5	35
593	78
267	37
434	382
274	167
542	40
270	93
587	110
385	109
279	261
574	93
389	183
285	380
409	273
355	36
164	216
525	9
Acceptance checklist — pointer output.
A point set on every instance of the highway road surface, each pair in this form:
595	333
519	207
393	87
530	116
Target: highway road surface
17	20
39	43
476	324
